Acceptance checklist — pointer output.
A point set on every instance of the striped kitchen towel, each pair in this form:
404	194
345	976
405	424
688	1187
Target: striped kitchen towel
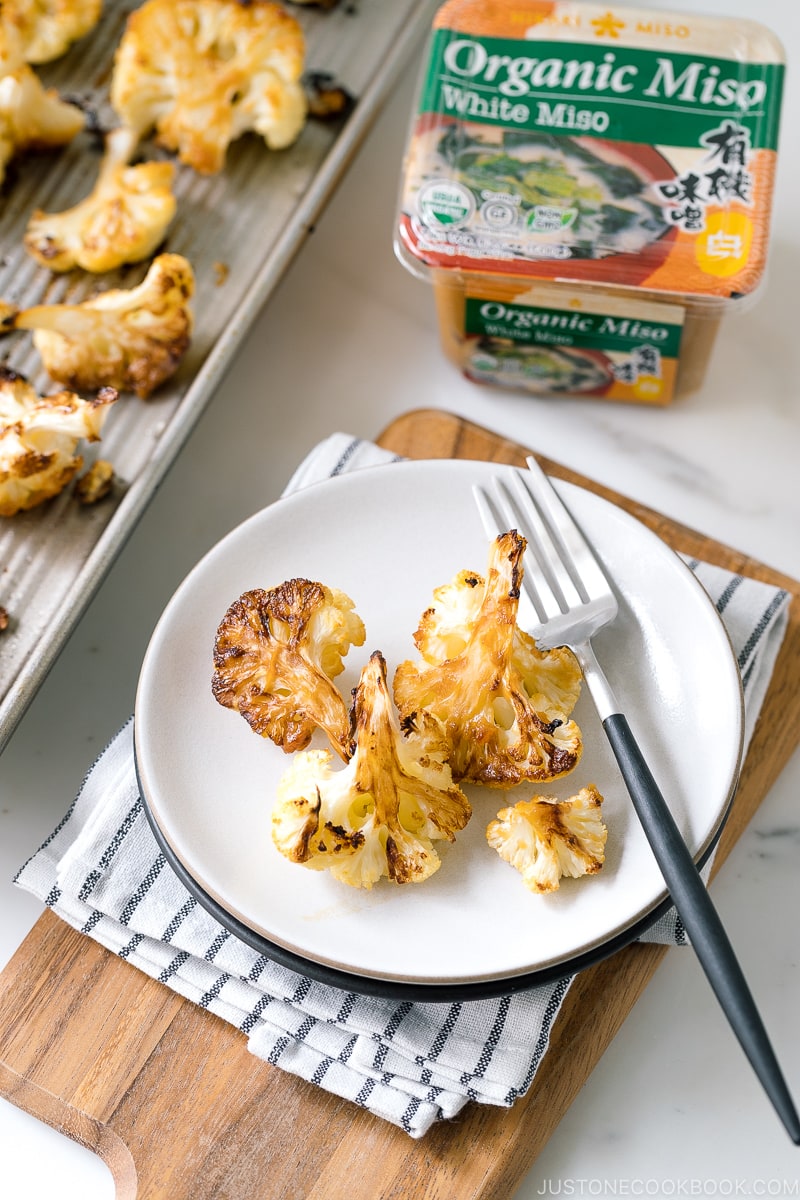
413	1064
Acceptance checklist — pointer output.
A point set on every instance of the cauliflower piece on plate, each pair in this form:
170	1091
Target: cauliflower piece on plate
39	437
203	72
123	220
33	117
379	815
130	339
547	839
503	703
275	654
47	28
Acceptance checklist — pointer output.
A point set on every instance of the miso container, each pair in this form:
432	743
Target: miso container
589	190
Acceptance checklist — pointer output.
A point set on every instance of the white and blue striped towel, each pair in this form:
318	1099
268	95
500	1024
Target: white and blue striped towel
411	1063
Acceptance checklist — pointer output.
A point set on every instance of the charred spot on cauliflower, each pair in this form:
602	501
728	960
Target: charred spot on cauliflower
39	436
202	72
123	220
504	705
33	117
380	814
275	654
546	839
130	339
326	98
96	483
47	28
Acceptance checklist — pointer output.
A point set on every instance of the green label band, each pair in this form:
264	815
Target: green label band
626	95
529	325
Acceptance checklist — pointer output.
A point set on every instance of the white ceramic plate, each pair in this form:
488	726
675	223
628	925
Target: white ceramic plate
387	536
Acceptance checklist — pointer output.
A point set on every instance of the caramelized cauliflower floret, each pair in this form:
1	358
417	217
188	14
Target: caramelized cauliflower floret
202	72
552	678
33	117
123	220
47	28
502	703
130	339
275	654
38	440
381	813
545	839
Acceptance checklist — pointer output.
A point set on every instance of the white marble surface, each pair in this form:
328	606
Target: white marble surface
348	342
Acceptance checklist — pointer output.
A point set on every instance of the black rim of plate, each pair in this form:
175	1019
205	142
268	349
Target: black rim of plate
398	989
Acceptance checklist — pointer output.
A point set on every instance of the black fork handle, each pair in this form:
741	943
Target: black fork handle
700	918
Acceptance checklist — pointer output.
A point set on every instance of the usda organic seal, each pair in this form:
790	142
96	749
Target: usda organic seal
445	203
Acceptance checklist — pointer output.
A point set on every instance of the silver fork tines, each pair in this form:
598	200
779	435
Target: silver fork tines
498	512
519	505
563	581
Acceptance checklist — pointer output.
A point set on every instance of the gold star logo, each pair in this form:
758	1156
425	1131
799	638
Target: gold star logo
607	25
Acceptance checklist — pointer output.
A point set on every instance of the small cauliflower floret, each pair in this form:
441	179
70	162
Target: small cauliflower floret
38	440
130	339
47	28
203	72
33	117
503	704
123	220
379	815
546	839
275	654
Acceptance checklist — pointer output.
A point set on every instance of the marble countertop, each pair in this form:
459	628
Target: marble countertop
348	342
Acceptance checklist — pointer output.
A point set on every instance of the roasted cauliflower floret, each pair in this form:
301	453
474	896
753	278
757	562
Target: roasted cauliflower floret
47	28
380	814
130	339
546	839
552	678
503	704
123	220
202	72
275	654
39	437
33	117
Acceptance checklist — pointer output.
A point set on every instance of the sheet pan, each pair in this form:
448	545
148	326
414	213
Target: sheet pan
239	229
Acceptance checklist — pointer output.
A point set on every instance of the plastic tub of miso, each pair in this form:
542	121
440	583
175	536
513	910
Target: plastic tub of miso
589	191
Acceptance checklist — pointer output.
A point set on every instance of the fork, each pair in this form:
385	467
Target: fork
572	600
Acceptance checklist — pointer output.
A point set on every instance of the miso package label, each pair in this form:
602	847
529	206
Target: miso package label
619	354
601	90
570	141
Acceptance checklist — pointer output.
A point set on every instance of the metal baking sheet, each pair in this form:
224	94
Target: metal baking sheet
239	229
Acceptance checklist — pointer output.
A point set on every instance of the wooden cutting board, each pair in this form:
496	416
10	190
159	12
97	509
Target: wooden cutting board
173	1101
